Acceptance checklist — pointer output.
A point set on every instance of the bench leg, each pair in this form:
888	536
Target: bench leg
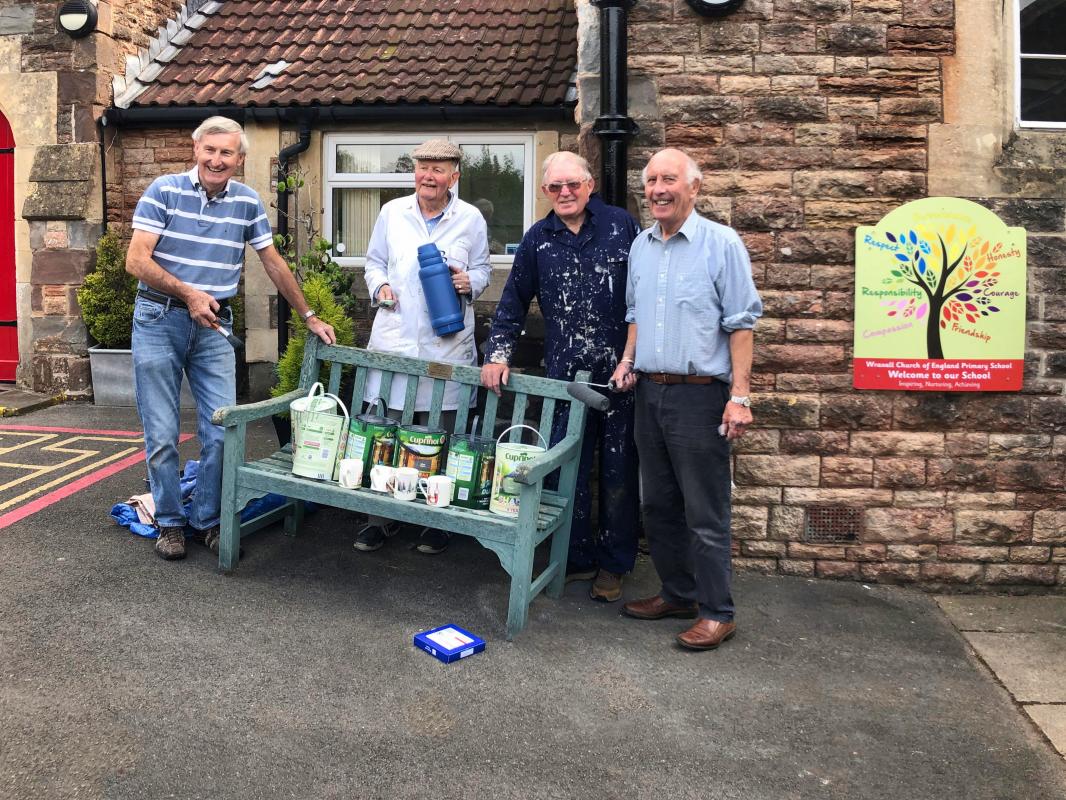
229	542
521	583
295	518
560	549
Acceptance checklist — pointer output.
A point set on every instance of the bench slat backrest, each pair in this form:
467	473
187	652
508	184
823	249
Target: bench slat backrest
522	387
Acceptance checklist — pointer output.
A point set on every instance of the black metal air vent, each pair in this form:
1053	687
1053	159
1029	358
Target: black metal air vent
832	525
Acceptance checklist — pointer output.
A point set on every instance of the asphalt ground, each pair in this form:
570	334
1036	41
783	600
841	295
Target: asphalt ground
124	676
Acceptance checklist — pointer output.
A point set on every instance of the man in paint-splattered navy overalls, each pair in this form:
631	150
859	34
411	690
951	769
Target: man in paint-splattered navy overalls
574	262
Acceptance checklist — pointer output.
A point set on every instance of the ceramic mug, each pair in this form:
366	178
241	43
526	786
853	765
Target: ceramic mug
381	477
437	490
351	473
404	483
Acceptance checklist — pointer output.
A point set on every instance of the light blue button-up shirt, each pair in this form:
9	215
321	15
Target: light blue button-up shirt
686	295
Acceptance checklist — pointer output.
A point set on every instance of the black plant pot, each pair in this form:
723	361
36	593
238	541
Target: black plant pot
283	428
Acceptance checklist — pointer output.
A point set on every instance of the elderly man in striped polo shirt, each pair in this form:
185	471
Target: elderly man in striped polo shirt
189	236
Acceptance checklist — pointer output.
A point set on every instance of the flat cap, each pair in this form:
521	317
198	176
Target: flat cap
437	150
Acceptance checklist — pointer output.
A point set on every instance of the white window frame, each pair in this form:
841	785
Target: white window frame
375	180
1018	58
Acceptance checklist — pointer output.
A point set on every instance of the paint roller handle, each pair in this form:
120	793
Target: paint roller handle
593	399
235	343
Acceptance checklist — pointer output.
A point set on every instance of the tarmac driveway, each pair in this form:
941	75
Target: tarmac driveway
122	676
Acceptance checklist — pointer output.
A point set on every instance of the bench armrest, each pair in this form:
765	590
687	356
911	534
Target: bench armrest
532	472
228	416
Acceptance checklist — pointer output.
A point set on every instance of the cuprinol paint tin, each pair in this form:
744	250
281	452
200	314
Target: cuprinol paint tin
421	447
470	460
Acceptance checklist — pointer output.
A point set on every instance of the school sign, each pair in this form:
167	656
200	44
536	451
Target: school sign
940	300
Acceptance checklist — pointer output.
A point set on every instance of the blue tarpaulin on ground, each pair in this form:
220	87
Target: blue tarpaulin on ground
126	516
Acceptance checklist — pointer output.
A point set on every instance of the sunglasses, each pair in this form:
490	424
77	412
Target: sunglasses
555	188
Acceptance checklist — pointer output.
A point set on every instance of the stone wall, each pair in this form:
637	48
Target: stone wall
808	119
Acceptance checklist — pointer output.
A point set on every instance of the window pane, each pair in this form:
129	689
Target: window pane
1043	90
492	180
354	213
1043	26
383	158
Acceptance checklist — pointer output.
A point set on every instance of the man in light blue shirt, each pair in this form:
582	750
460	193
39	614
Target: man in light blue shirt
692	306
190	231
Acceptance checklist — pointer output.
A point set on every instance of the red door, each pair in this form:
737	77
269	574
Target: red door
9	335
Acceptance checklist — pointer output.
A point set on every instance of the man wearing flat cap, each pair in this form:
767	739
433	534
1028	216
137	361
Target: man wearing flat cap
402	324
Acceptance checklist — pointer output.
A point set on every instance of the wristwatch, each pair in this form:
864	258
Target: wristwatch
309	313
741	400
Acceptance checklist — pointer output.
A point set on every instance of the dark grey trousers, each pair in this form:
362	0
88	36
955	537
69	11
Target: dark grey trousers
685	481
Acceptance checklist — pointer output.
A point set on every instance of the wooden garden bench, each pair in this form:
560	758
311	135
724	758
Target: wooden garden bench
542	513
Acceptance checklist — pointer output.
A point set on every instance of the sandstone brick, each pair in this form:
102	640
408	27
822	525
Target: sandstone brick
728	64
966	444
783	276
771	331
851	66
758	441
845	213
883	10
1047	335
657	38
694	134
777	470
840	570
1038	501
866	552
1058	556
911	552
1030	554
786	108
757	495
812	9
909	526
700	109
868	86
898	158
796	568
788	411
823	443
951	573
793	84
1029	475
899	472
992	526
683	84
1049	526
793	65
760	245
749	522
929	10
767	212
832	276
802	331
1012	445
901	184
851	110
824	134
835	183
917	498
844	471
959	552
762	566
806	382
837	497
1049	413
759	133
764	549
786	523
819	247
962	499
778	358
62	266
1039	574
832	552
741	84
896	443
856	412
949	412
724	36
793	303
920	39
657	64
909	109
788	37
844	38
889	572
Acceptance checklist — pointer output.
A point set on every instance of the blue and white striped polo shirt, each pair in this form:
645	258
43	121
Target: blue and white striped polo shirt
201	240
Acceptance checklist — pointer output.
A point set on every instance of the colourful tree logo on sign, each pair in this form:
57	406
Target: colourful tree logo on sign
956	273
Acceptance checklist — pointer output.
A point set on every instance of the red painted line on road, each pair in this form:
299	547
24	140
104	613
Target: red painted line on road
62	492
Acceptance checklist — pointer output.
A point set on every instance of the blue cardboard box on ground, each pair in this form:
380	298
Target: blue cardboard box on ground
449	643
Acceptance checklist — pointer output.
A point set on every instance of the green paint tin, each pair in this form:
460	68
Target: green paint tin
470	460
372	438
421	447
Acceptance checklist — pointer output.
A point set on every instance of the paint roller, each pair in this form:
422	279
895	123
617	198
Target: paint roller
582	391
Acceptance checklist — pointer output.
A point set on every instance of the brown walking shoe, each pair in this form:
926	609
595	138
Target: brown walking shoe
706	634
657	608
607	588
171	543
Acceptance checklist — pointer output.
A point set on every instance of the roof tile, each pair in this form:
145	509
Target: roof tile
483	52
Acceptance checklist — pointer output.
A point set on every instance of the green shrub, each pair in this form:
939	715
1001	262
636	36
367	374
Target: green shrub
319	294
108	294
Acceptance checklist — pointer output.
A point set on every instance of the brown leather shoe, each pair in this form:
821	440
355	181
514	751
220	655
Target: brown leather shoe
706	634
657	608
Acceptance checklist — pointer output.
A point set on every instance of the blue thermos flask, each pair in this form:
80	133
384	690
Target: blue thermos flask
445	311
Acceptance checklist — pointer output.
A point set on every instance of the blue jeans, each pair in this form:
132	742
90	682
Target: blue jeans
166	343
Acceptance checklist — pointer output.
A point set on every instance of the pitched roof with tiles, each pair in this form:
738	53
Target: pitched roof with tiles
321	52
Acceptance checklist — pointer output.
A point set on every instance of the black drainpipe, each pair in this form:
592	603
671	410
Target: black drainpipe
286	154
614	125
